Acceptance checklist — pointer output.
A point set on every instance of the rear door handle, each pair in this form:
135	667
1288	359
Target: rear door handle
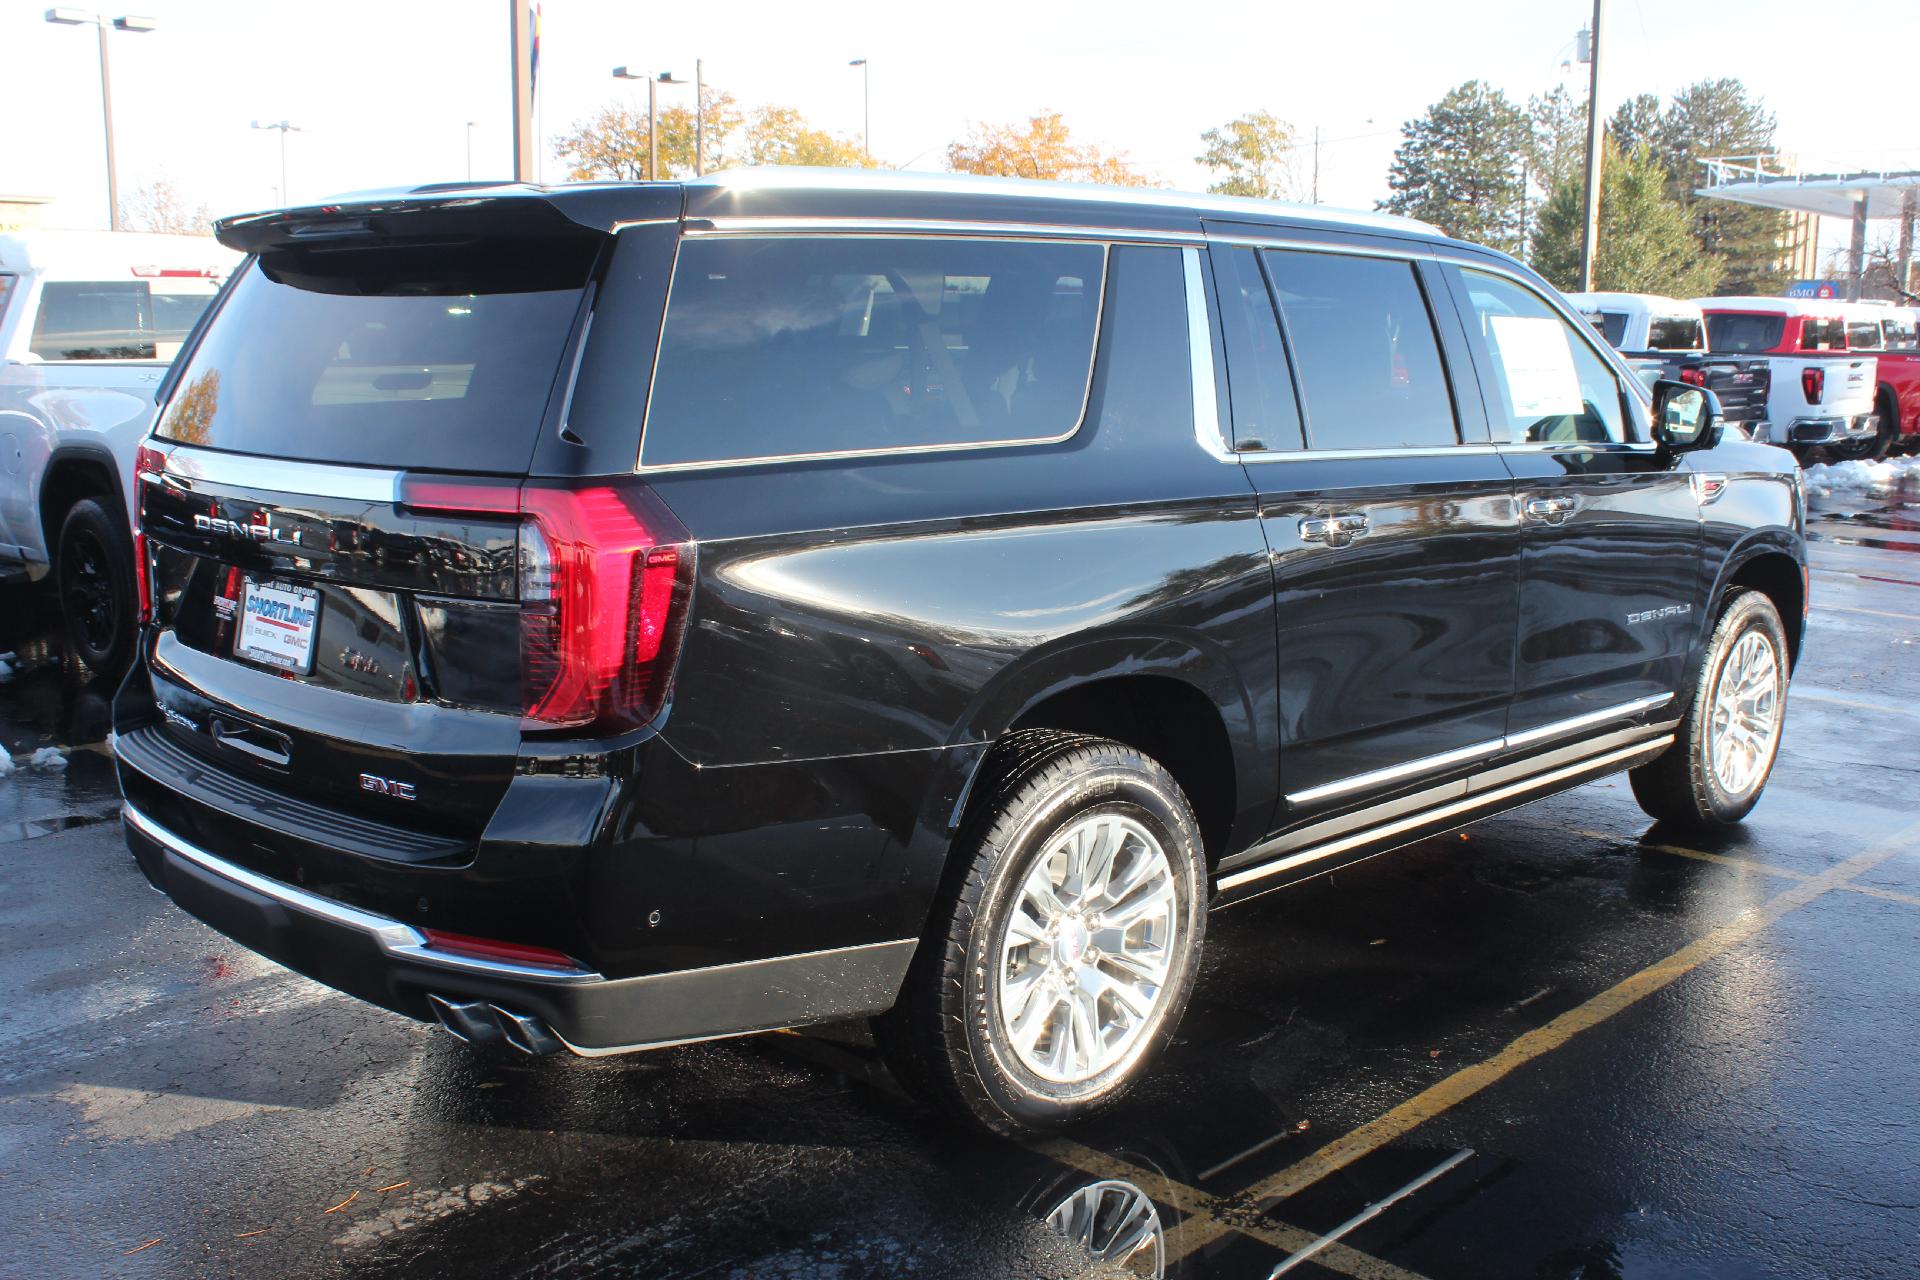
1334	531
1550	510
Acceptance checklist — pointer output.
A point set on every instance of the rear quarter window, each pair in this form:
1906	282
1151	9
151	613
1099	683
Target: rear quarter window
1611	324
777	347
1675	333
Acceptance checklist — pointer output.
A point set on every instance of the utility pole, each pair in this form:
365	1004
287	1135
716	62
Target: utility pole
520	14
1590	224
80	17
285	127
1316	164
1909	206
699	116
866	107
1857	248
470	125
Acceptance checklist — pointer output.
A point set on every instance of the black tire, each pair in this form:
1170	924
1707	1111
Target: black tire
1682	785
1886	437
946	1038
93	573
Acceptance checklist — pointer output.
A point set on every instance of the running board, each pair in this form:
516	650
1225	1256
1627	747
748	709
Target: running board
1395	827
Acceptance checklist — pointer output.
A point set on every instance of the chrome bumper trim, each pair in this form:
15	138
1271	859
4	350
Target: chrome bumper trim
395	938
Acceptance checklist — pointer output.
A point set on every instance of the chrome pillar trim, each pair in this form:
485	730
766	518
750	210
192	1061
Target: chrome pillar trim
1562	728
1394	773
1207	427
394	937
1479	750
186	465
1459	808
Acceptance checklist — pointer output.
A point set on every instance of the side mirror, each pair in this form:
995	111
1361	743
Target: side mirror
1685	417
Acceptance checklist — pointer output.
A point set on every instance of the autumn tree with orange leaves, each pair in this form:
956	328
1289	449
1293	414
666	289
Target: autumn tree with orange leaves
1042	147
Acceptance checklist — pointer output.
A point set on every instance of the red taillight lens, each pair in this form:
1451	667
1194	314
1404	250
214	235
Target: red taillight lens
147	461
1693	377
1813	383
461	944
605	573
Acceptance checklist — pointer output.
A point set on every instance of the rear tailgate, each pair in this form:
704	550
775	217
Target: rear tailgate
1741	386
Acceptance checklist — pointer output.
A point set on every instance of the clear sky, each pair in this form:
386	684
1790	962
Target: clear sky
383	91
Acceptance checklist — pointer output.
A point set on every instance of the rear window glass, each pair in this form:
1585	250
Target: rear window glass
1365	352
778	347
1675	333
1733	332
112	320
421	358
1901	335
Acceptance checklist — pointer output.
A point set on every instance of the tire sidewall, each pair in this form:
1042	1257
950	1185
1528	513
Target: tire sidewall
1121	786
96	518
1749	612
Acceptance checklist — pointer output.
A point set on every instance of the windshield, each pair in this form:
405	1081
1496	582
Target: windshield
1744	331
406	358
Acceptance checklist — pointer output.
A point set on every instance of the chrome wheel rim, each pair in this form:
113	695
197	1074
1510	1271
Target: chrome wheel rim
1115	1222
1746	708
1084	955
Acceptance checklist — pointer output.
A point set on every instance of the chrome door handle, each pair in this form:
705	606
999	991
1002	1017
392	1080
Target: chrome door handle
1550	510
1334	531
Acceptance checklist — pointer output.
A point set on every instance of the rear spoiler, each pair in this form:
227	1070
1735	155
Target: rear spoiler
453	212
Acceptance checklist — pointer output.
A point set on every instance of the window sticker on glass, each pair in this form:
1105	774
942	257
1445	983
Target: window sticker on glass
1538	365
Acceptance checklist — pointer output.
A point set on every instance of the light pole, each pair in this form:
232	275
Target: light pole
80	17
1590	217
286	127
699	116
866	106
470	125
653	113
1316	155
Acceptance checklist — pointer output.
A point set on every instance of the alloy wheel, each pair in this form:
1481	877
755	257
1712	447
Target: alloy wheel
1746	711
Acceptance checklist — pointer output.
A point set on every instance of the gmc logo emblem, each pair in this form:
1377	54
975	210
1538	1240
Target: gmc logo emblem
386	787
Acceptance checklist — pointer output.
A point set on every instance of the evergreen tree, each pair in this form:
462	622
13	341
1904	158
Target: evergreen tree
1718	118
1558	149
1459	167
1638	123
1646	239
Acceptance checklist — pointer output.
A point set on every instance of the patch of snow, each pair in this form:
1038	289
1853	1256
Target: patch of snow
1828	478
48	758
6	764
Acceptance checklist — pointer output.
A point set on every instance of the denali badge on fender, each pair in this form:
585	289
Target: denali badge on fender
386	787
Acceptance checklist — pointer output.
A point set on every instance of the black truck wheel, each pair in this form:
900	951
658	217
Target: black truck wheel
93	573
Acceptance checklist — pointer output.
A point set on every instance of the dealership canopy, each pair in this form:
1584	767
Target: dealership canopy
1858	196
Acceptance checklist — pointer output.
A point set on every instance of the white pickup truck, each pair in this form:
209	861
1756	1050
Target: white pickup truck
1822	395
89	321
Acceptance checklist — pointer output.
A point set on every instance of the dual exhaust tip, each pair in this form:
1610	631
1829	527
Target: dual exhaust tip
477	1022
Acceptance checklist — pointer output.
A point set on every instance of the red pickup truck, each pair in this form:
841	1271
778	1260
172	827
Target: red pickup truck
1893	335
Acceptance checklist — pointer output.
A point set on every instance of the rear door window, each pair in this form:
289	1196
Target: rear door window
1365	351
1819	334
440	357
94	320
777	347
1548	384
1744	333
1265	413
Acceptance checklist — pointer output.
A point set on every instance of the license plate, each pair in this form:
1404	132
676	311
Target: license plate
277	625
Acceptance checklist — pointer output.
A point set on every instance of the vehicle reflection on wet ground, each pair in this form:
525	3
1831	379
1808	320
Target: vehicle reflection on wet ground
1563	1043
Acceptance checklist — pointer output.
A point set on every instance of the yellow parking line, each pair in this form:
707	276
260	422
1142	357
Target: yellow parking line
1205	1218
1764	868
1623	995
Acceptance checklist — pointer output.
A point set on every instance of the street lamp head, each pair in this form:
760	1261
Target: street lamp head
622	73
666	77
858	62
71	17
133	23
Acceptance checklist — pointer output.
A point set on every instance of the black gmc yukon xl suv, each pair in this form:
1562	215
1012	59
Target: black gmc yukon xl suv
607	617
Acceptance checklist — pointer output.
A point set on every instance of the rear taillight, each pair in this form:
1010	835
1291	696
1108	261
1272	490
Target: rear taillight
461	944
605	574
1693	377
1813	384
147	461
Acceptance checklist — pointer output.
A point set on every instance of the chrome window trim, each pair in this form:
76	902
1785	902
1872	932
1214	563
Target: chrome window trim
1412	451
1207	427
1467	804
185	464
641	466
393	937
1479	750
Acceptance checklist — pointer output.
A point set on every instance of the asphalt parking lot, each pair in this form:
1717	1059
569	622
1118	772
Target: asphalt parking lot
1591	1047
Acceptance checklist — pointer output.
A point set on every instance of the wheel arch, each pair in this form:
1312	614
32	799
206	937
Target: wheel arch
1773	564
75	471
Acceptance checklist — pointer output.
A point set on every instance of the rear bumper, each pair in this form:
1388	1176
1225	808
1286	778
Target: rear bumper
1827	430
387	962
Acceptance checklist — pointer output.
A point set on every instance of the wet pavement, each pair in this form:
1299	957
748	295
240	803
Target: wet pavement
1583	1046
